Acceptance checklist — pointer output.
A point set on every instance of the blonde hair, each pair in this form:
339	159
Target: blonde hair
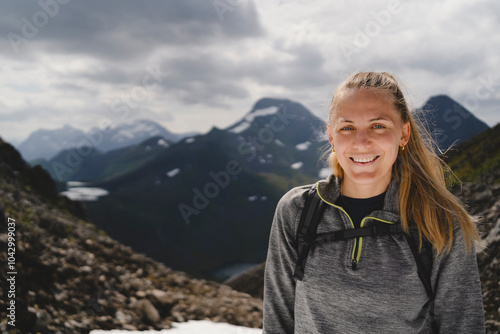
423	196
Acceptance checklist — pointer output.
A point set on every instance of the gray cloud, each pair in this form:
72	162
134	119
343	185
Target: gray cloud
208	76
305	69
204	78
91	53
124	29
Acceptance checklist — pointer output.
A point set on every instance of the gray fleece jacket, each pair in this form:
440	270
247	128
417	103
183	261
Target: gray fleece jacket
383	295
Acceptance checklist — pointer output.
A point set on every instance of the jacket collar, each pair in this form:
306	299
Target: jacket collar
329	191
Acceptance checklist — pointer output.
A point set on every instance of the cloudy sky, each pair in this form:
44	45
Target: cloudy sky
194	64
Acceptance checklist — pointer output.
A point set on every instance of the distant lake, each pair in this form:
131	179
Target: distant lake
233	269
78	192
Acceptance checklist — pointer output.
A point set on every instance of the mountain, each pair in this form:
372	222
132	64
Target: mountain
135	133
277	134
448	122
72	165
207	201
73	278
45	144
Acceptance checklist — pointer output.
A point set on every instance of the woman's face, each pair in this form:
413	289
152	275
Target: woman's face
366	132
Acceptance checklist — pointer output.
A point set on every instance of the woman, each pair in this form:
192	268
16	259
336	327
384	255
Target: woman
383	173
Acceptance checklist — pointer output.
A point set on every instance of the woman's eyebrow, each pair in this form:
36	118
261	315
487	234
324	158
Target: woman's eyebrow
381	118
378	118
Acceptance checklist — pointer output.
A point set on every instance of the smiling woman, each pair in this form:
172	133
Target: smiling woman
364	250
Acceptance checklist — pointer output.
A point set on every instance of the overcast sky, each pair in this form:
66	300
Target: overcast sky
194	64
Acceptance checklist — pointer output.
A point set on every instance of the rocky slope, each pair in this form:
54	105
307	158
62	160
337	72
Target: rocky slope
483	199
72	278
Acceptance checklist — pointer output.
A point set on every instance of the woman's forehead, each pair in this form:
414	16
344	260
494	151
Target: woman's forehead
365	104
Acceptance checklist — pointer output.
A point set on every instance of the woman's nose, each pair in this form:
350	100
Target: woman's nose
362	139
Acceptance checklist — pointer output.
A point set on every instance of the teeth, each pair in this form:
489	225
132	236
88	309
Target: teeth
364	159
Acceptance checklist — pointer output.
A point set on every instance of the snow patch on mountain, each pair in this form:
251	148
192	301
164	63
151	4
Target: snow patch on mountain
279	142
173	172
192	327
303	146
261	112
240	127
138	129
324	173
246	122
163	143
253	198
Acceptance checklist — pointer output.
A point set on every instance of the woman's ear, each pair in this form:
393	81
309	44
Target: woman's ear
405	136
330	138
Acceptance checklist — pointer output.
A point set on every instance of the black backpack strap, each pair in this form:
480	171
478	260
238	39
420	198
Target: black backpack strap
306	232
360	232
423	258
306	235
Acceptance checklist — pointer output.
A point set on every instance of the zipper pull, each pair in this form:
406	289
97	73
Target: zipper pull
354	264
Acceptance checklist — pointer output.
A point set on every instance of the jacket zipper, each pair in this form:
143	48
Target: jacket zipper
357	256
358	242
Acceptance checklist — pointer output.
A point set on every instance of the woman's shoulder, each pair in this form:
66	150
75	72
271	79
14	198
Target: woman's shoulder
296	196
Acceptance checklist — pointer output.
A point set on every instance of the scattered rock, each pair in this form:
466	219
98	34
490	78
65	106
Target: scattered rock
43	319
147	311
246	282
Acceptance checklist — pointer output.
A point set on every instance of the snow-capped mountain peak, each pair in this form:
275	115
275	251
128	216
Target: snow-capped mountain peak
44	143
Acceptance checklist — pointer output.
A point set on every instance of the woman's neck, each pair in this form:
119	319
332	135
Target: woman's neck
349	189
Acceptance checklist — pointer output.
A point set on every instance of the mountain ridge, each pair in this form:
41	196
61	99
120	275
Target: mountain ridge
448	122
187	212
45	144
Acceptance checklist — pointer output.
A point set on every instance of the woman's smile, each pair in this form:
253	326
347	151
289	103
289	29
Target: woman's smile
364	161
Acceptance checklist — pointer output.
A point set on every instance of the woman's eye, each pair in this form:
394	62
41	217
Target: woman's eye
379	126
346	128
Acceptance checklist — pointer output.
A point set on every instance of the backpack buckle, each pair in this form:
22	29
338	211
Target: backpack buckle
306	240
379	229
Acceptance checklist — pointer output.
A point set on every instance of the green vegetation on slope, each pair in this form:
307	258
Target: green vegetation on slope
477	156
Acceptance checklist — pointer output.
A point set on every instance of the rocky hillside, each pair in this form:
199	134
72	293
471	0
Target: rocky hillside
477	163
72	278
483	200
